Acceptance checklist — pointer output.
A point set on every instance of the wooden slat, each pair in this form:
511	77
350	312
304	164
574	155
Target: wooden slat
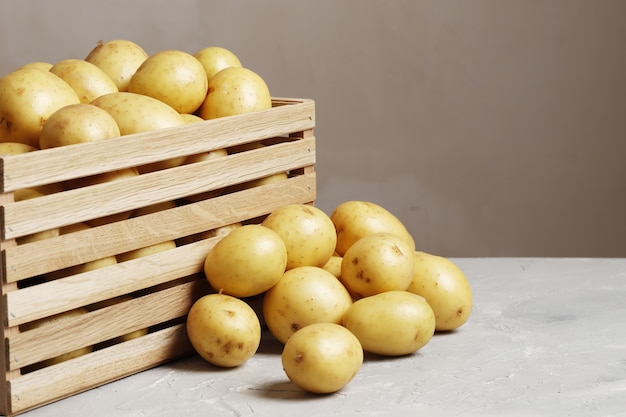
46	342
50	211
53	383
79	290
59	164
79	247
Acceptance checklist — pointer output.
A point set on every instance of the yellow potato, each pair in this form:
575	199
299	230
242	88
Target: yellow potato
173	77
247	261
392	323
235	90
77	123
446	288
119	59
322	358
191	118
15	148
53	320
88	81
28	97
307	231
334	265
355	219
303	296
45	66
223	330
215	58
135	113
376	263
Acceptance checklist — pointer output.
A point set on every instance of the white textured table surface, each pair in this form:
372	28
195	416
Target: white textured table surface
547	337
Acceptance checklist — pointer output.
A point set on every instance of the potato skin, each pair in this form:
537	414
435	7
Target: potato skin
392	323
355	219
307	231
445	287
303	296
88	81
322	357
224	330
246	262
376	263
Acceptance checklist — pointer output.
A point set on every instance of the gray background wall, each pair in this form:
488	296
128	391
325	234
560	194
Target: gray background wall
490	127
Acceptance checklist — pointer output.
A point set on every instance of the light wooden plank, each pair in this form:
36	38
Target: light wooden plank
59	164
97	368
104	324
79	290
79	247
60	209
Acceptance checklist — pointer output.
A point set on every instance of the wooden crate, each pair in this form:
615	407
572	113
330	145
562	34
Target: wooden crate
158	289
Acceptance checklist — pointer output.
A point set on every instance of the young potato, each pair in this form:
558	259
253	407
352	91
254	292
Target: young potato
322	358
77	123
119	59
247	261
334	265
392	323
88	81
215	58
356	219
307	231
303	296
174	77
235	90
376	263
445	287
28	96
135	113
223	330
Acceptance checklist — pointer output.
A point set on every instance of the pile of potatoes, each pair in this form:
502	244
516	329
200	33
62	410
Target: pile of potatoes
329	288
118	89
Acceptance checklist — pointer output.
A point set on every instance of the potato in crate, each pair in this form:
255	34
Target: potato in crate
98	274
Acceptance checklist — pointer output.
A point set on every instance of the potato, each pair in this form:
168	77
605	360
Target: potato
15	148
303	296
28	96
322	358
77	123
174	77
191	118
135	113
392	323
119	59
334	265
307	231
215	58
223	330
54	320
235	90
42	65
247	261
88	81
355	219
376	263
445	287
